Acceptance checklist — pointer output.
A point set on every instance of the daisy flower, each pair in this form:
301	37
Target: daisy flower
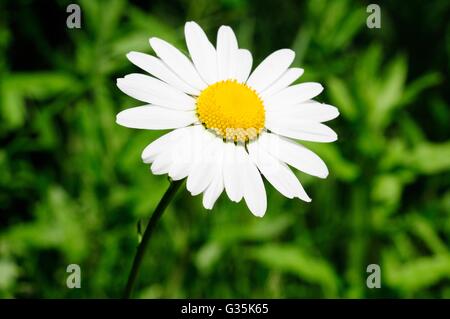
230	126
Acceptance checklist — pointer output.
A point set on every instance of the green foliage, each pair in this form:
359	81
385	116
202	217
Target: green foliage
74	189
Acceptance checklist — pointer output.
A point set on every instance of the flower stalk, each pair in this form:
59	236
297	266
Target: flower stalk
159	210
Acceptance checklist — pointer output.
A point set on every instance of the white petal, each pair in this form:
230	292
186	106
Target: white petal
187	152
243	65
277	172
231	177
181	163
157	68
213	191
177	62
202	170
253	186
148	89
162	143
216	186
166	151
176	152
299	129
311	111
161	164
271	69
202	52
294	94
283	82
227	53
155	118
294	154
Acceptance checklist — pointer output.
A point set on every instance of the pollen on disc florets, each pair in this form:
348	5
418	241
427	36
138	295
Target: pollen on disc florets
232	110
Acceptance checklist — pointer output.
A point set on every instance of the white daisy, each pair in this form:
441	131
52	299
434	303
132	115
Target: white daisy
229	126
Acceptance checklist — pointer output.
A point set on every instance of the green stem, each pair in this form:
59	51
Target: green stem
159	210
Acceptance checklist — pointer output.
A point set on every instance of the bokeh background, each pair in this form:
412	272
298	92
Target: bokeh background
73	188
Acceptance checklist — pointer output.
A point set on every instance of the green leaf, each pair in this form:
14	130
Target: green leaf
208	256
424	229
392	87
9	271
429	158
109	18
339	166
12	106
342	98
417	274
259	230
348	28
387	189
295	260
390	92
418	86
41	85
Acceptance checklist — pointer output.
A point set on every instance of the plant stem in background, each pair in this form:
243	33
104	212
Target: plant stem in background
163	203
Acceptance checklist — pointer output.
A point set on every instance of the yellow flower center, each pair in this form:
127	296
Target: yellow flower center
232	110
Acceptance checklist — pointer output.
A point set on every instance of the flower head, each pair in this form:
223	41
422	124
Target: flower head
229	126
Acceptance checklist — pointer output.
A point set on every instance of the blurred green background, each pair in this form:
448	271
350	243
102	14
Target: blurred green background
73	187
